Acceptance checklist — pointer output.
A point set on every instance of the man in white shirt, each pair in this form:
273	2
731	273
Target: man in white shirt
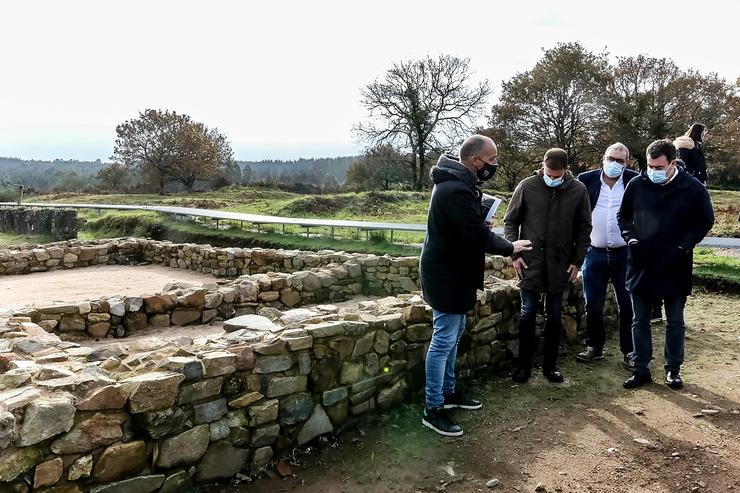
606	259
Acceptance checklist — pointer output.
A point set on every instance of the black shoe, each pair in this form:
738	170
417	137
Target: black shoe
637	380
458	400
673	380
590	354
627	363
554	375
521	375
438	420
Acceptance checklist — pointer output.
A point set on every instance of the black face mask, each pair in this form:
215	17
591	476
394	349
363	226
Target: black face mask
487	171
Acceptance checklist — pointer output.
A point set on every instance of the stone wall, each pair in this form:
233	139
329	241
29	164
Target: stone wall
60	224
162	413
380	274
110	419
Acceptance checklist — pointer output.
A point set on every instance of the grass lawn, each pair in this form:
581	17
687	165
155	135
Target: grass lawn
155	225
718	271
14	239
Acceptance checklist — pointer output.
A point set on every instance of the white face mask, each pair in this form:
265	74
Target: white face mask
613	169
659	176
552	182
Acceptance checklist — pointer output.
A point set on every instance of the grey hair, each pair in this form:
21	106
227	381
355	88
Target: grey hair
620	147
473	145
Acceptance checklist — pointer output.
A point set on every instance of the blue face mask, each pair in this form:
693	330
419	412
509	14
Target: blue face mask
613	169
658	176
552	182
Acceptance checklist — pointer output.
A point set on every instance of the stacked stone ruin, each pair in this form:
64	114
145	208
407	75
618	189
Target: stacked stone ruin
288	367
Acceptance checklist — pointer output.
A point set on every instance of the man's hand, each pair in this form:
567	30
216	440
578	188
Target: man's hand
573	271
522	246
489	224
519	266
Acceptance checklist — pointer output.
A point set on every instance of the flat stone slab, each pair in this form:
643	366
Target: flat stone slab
298	315
251	322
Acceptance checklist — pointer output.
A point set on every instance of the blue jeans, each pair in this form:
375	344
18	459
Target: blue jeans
643	338
600	267
553	328
441	356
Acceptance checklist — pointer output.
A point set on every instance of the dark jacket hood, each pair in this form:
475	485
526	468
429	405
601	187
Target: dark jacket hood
448	167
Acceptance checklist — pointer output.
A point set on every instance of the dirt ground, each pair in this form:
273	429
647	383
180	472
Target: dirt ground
586	435
90	282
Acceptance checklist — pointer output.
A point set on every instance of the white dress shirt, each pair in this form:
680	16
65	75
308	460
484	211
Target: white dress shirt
605	232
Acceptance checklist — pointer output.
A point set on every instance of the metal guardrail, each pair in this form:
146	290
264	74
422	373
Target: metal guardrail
709	241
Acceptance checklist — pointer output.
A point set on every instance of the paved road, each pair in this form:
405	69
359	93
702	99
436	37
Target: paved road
714	242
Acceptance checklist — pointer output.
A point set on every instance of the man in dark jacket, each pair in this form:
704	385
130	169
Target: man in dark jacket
664	214
606	259
551	209
452	267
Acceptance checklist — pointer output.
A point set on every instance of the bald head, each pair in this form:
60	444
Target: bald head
476	145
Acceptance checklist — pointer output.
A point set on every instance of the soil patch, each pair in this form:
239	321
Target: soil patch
44	288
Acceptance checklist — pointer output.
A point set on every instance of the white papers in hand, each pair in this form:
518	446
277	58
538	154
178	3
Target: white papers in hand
492	203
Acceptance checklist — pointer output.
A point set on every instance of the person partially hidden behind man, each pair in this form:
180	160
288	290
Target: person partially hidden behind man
664	214
451	269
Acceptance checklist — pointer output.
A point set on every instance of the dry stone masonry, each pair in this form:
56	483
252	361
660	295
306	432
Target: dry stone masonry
60	224
381	274
172	411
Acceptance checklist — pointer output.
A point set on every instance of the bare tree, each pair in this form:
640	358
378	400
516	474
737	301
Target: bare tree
422	105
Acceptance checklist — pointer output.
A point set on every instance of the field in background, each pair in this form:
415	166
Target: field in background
393	206
717	270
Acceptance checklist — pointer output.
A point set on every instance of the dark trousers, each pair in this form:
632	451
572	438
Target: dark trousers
553	328
599	268
642	336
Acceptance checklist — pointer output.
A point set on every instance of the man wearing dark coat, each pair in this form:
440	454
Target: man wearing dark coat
665	213
452	267
551	209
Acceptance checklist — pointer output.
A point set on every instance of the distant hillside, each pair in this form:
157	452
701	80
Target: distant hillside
75	175
43	175
314	170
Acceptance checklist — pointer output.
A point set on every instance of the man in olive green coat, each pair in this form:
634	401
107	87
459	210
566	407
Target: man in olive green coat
550	208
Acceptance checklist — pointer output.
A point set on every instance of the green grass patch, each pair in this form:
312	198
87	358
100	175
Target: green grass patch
159	226
115	224
17	239
716	271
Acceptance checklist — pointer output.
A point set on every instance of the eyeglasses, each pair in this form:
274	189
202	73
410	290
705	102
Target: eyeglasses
492	163
617	159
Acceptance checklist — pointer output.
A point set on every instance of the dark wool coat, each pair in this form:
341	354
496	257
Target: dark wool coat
453	256
663	218
557	221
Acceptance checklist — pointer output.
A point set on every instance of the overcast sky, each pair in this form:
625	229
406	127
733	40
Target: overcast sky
282	79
